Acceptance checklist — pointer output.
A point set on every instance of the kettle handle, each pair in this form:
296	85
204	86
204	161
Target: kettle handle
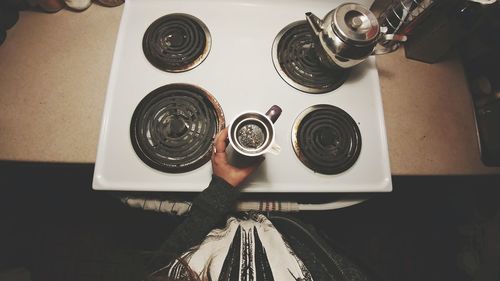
393	46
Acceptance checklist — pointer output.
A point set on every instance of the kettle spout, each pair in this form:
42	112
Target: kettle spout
314	22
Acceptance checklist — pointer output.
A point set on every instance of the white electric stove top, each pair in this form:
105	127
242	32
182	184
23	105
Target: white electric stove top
239	73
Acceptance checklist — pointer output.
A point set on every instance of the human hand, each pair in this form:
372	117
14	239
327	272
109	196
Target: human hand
223	169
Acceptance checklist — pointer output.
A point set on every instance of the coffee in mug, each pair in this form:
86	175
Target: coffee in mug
252	133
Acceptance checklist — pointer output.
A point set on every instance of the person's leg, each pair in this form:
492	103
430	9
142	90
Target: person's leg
323	261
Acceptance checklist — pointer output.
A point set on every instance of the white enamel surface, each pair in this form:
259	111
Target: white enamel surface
239	73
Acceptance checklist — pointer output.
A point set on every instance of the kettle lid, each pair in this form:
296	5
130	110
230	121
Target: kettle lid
355	23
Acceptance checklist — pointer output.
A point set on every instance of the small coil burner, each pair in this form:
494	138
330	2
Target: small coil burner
297	63
176	42
173	127
326	139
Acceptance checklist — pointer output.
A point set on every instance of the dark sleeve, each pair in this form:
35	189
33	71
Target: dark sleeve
209	208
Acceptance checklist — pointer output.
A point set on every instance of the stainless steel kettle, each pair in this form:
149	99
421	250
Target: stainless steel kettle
348	35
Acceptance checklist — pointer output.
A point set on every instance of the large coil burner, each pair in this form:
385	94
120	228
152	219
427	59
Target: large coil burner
296	61
173	127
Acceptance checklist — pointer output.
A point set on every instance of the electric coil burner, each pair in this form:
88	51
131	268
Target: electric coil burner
326	139
297	63
176	42
173	127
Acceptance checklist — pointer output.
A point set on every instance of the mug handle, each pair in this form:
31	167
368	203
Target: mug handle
273	113
275	149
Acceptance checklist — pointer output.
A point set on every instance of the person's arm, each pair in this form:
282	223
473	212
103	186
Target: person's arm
209	207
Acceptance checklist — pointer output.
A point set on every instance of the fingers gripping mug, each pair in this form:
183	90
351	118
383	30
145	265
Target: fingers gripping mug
252	133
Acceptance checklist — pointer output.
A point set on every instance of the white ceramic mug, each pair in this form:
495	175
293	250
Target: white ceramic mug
252	134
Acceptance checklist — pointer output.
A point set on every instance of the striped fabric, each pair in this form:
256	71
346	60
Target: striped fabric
247	249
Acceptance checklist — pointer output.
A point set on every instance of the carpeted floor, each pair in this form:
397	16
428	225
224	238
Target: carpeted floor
429	228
